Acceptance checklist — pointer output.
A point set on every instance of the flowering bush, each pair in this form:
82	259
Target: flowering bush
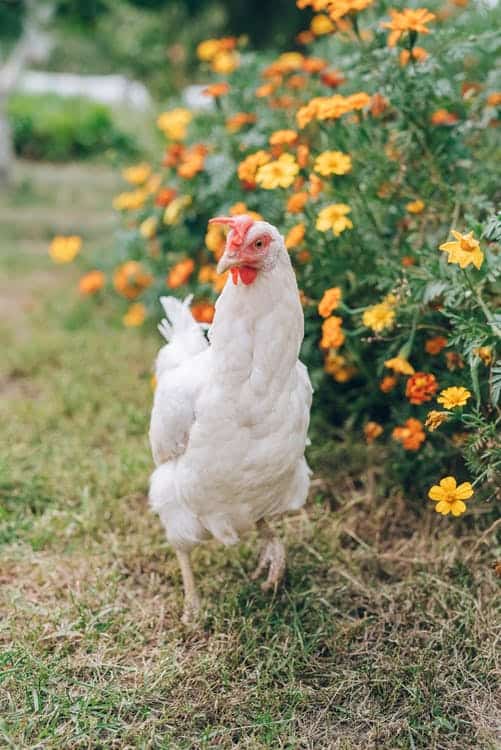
372	152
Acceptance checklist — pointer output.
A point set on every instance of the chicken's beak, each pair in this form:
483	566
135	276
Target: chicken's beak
226	261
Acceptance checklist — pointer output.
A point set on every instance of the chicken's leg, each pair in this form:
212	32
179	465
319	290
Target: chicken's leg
191	598
272	556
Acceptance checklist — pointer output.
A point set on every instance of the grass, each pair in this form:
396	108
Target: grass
384	635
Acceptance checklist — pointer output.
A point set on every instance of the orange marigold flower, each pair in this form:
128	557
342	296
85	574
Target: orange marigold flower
494	99
411	434
337	366
265	90
248	167
297	202
180	273
237	121
409	19
418	54
130	279
305	37
330	300
91	283
379	105
421	387
135	315
283	137
332	78
444	117
485	354
408	261
295	236
203	311
434	419
435	345
217	89
454	361
372	430
316	185
192	164
165	196
302	155
241	208
387	384
415	207
314	64
173	154
332	335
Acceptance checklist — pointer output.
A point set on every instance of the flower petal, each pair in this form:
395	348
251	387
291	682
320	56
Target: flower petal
443	508
436	493
448	484
464	491
458	507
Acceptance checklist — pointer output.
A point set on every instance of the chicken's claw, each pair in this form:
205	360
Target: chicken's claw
272	557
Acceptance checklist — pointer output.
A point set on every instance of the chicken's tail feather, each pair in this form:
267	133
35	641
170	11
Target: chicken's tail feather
179	317
184	336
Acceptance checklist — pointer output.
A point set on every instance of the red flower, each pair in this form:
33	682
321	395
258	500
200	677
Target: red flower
421	387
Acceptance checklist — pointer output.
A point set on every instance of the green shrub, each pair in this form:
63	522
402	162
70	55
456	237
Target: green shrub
59	128
394	316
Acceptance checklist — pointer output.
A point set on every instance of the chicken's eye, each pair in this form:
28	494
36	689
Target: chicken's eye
258	244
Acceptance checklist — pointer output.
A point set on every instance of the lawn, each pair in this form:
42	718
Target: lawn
383	636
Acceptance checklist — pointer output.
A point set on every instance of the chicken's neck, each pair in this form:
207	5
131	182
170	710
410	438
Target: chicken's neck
258	329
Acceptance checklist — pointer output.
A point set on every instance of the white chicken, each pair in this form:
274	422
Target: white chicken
230	416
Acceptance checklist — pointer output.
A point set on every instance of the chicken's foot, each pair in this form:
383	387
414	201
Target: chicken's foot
272	556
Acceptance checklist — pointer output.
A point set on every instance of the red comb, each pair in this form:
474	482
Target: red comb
240	225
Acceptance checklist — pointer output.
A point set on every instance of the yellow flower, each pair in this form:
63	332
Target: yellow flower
148	227
434	419
130	201
451	398
208	49
378	317
415	207
485	354
174	123
65	249
138	174
334	217
410	19
283	137
225	62
465	249
135	315
321	24
174	210
449	497
278	173
400	365
330	300
332	162
295	236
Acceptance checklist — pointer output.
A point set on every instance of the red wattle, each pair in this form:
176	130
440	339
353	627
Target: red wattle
247	274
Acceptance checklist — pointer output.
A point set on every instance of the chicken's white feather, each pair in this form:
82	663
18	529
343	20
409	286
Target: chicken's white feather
229	421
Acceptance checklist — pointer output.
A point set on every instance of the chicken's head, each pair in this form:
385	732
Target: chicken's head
251	246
